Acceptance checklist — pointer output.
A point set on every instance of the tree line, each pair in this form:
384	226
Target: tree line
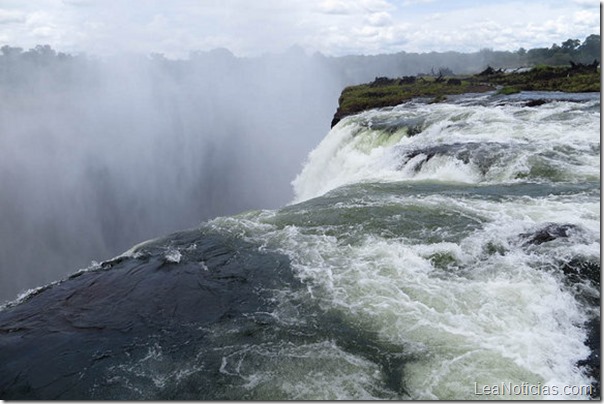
347	70
570	50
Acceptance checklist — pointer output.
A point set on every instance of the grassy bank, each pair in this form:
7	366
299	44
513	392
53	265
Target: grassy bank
384	92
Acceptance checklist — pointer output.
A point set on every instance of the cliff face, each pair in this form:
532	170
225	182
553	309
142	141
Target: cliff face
384	92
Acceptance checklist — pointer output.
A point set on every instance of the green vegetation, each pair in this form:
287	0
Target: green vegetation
576	79
571	49
508	90
384	92
556	55
388	92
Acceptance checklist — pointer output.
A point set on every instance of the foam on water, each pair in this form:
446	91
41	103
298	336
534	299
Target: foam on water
316	371
479	307
557	141
480	318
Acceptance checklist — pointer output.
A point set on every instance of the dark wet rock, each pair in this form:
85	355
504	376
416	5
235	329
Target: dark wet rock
580	268
454	82
64	341
414	126
381	81
490	71
483	155
427	154
592	363
576	270
535	103
582	277
407	80
160	323
549	232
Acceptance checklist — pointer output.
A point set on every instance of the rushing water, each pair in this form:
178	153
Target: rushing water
432	250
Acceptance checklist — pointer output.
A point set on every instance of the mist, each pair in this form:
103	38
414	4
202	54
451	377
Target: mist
98	154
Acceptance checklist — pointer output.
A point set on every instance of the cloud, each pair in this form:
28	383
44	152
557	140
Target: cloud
586	17
502	26
333	27
584	3
11	17
375	6
379	19
79	3
407	3
350	7
336	7
42	25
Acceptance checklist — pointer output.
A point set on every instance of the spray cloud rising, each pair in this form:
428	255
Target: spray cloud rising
99	154
96	155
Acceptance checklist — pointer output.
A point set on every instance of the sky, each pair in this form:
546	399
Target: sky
254	27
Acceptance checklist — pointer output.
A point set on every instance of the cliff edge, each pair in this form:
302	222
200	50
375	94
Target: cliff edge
385	92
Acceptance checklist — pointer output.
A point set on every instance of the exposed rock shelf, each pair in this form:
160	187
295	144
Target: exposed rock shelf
385	92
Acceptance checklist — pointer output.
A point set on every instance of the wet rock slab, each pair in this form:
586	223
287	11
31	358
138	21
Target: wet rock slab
60	342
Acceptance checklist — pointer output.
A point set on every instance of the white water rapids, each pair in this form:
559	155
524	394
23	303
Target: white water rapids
560	137
446	277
